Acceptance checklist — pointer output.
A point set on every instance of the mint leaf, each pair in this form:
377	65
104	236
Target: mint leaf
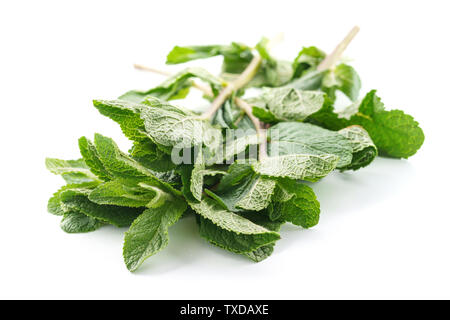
261	253
241	189
231	241
174	85
395	133
77	222
125	169
172	126
92	159
126	114
149	232
236	146
295	202
364	150
253	246
297	166
73	171
227	220
55	206
310	80
77	200
343	78
116	193
189	53
289	104
304	138
307	58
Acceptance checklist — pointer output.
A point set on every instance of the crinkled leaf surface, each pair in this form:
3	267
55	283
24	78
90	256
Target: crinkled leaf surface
241	189
126	114
211	210
171	126
304	138
290	104
231	241
297	166
364	150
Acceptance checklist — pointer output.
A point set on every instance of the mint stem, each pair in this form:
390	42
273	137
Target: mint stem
334	57
260	131
240	82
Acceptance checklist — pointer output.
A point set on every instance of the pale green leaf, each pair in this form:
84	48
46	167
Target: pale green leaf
297	166
73	171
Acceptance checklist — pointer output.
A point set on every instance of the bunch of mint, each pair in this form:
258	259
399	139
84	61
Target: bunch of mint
241	166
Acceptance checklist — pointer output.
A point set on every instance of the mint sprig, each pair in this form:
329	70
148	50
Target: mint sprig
241	166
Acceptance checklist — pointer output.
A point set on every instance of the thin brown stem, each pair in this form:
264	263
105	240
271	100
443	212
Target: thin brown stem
333	57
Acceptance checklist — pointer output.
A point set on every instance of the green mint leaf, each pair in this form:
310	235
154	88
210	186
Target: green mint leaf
77	222
149	232
304	138
175	86
171	126
73	171
295	202
116	193
227	220
151	156
124	168
343	78
77	200
289	104
308	58
395	133
250	245
185	54
310	80
261	253
257	194
241	189
364	150
126	114
55	206
297	166
234	242
237	146
92	159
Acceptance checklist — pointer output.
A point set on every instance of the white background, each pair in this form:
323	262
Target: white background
384	230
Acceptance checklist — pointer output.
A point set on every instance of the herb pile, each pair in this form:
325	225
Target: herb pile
243	166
